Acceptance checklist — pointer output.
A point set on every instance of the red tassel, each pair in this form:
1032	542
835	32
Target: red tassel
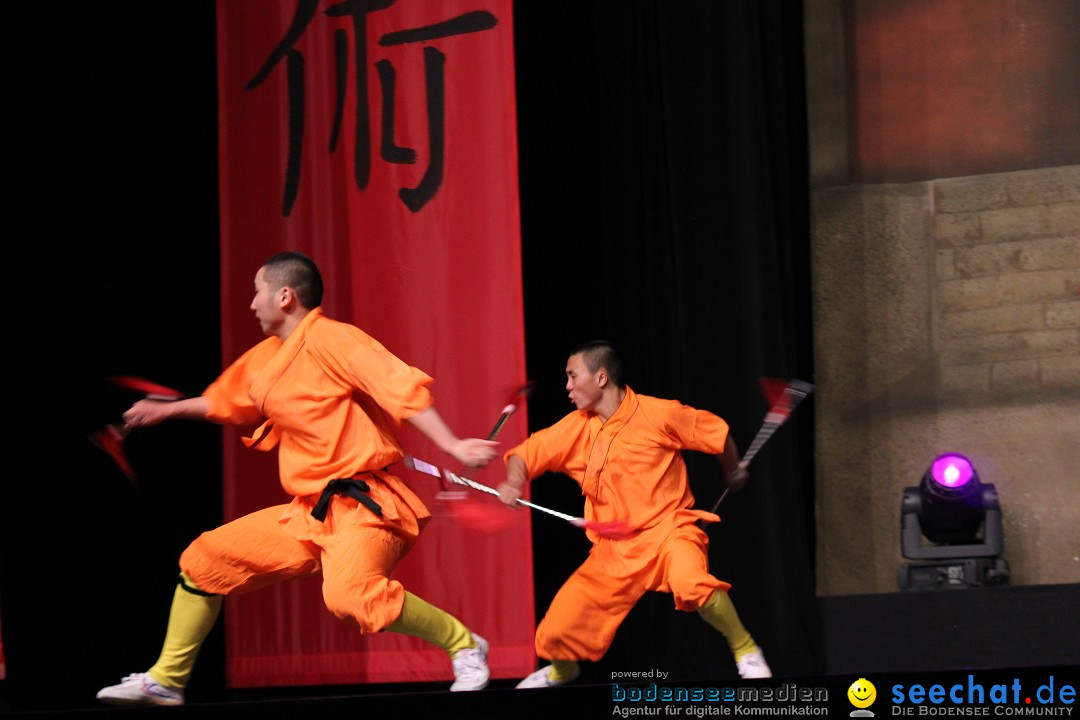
110	439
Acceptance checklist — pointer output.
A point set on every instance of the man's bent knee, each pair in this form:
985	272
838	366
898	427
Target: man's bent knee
371	606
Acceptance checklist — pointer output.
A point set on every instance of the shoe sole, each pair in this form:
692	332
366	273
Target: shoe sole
144	702
484	647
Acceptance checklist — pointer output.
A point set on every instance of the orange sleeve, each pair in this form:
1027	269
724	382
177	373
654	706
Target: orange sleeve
228	397
710	433
363	363
558	448
690	429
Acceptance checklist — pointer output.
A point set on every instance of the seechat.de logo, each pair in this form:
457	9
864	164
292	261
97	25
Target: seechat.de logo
1012	698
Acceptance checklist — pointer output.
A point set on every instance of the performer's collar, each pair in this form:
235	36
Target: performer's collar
623	394
301	322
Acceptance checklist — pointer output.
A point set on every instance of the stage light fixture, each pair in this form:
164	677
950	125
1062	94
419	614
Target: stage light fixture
949	507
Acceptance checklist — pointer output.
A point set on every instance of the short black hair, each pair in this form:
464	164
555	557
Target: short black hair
298	272
601	354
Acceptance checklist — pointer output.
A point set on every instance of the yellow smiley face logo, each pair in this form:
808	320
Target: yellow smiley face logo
862	693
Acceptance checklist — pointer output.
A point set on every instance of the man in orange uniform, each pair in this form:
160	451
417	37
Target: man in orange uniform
325	390
623	449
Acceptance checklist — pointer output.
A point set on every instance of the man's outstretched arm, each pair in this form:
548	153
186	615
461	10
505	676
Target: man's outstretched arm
735	473
145	413
517	474
471	452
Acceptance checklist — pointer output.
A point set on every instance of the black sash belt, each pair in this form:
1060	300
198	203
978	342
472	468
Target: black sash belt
356	489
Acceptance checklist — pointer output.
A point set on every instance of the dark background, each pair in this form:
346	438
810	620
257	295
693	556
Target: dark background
664	207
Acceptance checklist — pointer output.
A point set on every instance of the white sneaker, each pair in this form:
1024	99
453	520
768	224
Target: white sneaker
753	665
470	667
141	689
542	678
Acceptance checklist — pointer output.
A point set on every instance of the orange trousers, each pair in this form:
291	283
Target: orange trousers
581	622
356	553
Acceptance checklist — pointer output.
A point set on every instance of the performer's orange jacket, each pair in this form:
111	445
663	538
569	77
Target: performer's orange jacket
630	468
330	395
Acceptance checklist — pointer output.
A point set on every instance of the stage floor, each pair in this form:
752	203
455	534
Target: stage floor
1026	639
824	696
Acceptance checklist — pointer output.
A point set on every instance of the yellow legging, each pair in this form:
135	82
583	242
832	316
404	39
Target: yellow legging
423	620
719	612
193	615
190	620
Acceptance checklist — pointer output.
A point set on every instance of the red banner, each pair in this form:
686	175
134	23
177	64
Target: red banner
379	138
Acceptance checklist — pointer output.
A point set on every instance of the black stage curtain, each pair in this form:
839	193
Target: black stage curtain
113	166
664	208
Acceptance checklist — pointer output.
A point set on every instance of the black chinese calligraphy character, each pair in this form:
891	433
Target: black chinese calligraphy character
434	80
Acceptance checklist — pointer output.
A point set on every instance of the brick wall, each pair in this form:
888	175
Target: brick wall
1008	281
947	319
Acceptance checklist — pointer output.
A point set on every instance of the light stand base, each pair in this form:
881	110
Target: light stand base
954	574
